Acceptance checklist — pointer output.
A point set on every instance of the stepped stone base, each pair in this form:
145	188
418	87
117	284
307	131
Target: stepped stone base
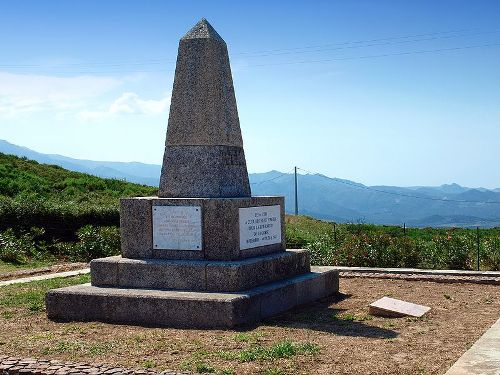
199	275
186	308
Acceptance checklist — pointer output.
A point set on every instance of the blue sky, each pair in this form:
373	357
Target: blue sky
379	92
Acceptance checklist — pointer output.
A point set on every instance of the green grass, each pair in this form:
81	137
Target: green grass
30	297
7	267
248	336
200	360
282	349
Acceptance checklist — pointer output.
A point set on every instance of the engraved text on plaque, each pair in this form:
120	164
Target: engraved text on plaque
260	226
177	227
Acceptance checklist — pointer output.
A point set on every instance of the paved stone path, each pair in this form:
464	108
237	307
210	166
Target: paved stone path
483	358
45	277
18	366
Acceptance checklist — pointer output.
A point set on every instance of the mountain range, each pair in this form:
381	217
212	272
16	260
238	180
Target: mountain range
322	197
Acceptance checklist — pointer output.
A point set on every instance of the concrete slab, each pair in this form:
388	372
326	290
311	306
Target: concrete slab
45	277
185	308
391	307
483	358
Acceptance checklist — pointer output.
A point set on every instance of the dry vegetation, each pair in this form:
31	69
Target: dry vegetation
329	337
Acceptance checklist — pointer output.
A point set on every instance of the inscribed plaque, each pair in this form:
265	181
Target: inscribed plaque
177	227
260	226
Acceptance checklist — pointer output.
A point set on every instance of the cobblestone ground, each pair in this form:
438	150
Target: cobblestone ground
421	277
15	366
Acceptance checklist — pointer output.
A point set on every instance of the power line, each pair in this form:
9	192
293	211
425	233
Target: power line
296	50
439	50
271	179
382	55
369	41
374	44
394	193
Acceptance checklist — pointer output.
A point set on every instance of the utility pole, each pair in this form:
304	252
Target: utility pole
296	195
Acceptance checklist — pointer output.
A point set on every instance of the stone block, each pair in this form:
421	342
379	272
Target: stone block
185	308
136	227
248	273
395	308
186	169
104	271
220	228
214	276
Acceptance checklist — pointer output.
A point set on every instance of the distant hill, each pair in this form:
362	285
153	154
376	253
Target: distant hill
324	197
346	201
140	173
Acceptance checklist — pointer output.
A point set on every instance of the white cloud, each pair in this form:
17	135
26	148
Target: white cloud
21	93
129	103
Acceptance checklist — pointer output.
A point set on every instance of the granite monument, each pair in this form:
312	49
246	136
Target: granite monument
204	253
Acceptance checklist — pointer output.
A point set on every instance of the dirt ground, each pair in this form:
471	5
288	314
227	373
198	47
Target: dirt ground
347	339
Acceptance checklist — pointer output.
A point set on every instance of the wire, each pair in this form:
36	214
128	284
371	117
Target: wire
304	61
364	45
382	55
369	41
285	51
394	193
271	179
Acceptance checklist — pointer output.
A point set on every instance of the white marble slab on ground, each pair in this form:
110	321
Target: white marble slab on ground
483	358
391	307
45	277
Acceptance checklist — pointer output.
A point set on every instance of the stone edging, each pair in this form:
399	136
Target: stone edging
30	366
56	268
438	278
45	277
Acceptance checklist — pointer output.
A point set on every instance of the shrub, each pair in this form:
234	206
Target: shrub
491	254
96	242
321	250
18	248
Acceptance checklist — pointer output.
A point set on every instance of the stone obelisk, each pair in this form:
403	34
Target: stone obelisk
204	253
204	154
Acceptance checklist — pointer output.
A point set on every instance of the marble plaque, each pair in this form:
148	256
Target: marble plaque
391	307
177	227
259	226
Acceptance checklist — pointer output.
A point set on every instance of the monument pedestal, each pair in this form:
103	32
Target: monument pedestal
214	261
189	309
227	266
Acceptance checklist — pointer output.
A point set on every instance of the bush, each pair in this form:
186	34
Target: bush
454	251
95	242
321	250
491	254
19	248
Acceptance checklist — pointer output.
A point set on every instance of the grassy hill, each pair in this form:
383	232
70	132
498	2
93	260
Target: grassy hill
44	209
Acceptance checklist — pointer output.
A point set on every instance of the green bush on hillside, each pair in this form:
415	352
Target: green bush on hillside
491	253
18	248
380	246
